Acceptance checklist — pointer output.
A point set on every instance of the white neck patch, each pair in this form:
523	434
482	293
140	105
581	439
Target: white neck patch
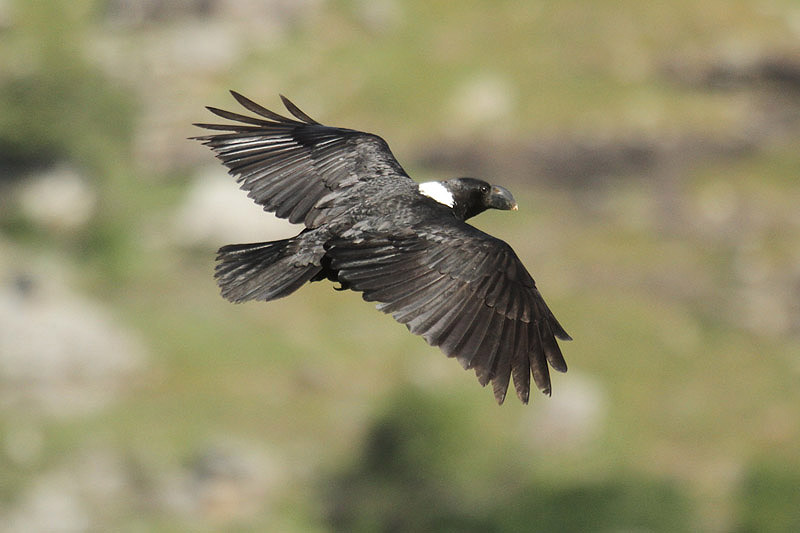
438	192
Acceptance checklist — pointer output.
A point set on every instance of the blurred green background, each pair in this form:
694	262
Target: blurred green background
652	147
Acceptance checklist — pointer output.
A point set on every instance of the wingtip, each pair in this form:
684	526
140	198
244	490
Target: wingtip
296	111
217	111
500	397
243	100
524	396
286	102
239	97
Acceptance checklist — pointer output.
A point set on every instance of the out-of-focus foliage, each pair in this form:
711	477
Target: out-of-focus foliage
55	105
89	122
768	499
401	481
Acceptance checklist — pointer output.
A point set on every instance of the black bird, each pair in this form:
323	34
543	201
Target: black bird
372	229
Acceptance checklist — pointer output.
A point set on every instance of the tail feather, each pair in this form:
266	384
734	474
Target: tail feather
261	271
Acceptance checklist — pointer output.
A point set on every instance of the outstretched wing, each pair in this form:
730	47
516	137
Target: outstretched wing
298	169
464	291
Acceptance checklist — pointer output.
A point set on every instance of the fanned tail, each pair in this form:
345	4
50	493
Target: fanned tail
261	271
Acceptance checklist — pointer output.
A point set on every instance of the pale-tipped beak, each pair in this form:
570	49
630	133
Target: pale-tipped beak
502	198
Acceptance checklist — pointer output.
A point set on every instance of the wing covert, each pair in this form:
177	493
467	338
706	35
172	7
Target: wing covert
464	291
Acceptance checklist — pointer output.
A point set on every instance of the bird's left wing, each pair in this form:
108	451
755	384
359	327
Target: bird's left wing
464	291
298	168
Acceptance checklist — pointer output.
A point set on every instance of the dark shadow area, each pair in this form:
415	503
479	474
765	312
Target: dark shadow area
769	499
404	480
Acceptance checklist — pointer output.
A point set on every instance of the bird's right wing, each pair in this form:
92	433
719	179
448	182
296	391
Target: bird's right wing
464	291
298	168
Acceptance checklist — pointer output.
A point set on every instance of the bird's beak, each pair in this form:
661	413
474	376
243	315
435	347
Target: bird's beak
502	198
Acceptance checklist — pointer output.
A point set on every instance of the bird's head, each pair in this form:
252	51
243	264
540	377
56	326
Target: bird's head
469	196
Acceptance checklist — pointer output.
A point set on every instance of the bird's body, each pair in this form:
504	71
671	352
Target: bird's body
371	228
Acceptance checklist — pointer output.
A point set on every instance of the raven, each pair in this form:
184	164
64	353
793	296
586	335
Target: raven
372	229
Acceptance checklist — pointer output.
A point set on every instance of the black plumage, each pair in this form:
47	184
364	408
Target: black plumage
372	229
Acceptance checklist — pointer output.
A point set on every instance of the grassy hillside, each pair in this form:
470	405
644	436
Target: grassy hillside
653	152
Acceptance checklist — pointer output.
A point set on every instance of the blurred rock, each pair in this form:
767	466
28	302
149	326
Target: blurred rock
486	99
267	14
58	199
23	442
170	50
763	298
86	493
227	482
135	12
570	419
6	15
771	114
380	16
60	353
216	212
580	162
98	488
717	205
768	85
51	503
738	67
793	20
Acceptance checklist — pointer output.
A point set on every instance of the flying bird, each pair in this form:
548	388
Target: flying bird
370	228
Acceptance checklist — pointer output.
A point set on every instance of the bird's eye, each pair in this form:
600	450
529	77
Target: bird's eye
484	189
